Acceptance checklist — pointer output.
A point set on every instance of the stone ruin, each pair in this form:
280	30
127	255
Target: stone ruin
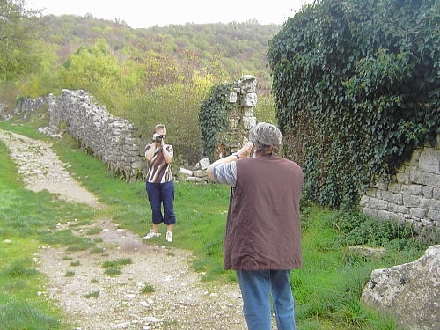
241	119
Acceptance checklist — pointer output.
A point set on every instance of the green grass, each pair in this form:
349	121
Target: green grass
327	288
113	267
148	288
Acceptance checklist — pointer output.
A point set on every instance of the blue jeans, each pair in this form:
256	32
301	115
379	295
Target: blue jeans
159	193
256	288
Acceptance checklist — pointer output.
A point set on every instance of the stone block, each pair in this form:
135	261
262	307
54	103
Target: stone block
412	189
199	174
247	84
249	122
378	204
249	100
412	201
233	97
248	111
372	192
204	163
364	202
427	191
434	215
399	209
390	197
410	292
388	215
185	171
430	160
415	157
395	188
425	178
402	177
417	212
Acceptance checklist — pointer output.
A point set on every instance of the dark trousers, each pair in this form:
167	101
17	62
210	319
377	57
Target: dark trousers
158	194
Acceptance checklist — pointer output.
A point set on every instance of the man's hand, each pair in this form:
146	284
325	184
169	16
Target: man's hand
246	150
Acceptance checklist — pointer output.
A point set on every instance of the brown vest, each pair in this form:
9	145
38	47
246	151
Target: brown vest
263	228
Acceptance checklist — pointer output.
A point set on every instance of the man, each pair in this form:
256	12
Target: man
262	238
159	185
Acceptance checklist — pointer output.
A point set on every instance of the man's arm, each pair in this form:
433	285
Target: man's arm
244	152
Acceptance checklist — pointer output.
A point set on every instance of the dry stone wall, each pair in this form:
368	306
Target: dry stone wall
412	195
105	136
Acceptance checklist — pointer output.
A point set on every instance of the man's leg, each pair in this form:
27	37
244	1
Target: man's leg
283	300
255	290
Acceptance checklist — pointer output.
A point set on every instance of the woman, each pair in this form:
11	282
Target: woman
159	183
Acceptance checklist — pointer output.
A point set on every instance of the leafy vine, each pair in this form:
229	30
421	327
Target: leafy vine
356	85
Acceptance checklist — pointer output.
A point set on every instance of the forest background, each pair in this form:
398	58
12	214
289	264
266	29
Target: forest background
158	74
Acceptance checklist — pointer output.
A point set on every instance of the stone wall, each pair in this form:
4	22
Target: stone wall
412	195
106	137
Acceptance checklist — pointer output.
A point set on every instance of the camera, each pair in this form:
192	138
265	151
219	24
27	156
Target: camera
158	138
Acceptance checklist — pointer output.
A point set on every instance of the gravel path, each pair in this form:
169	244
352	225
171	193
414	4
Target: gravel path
93	300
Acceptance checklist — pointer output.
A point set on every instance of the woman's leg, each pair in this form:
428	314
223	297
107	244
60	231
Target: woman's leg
167	194
154	196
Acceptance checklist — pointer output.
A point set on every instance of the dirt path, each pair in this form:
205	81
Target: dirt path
93	300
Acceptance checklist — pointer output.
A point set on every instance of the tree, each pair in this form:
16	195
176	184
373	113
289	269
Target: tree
17	29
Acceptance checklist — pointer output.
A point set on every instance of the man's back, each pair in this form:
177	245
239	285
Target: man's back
263	230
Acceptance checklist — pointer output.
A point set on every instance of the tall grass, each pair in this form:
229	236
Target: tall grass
327	289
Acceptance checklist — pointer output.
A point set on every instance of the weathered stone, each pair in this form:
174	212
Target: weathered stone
199	174
233	97
250	100
204	163
390	197
193	178
402	177
185	171
367	251
410	292
430	160
425	178
412	200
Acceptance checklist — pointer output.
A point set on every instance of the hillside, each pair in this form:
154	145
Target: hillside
241	48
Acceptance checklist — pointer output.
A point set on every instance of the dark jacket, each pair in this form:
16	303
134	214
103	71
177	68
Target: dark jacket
263	227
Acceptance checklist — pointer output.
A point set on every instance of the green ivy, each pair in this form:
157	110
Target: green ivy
356	85
213	117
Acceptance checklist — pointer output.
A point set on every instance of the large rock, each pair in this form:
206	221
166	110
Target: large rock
409	292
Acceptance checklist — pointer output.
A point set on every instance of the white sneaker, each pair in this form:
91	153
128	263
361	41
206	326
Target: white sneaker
151	234
169	236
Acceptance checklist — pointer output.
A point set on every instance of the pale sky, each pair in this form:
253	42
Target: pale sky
146	13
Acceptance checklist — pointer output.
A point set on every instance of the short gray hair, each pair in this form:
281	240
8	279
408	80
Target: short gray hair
266	138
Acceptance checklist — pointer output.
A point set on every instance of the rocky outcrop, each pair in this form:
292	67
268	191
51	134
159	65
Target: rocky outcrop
409	292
